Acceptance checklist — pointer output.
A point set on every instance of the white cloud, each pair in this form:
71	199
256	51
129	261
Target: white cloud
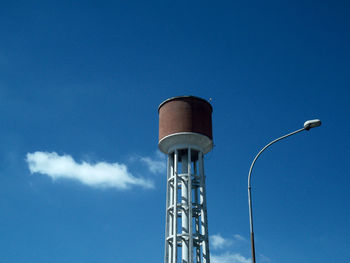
239	237
218	242
100	175
157	165
229	258
264	258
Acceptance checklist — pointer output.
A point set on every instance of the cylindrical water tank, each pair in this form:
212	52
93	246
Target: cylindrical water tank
185	120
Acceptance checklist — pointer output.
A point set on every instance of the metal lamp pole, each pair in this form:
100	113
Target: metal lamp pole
307	126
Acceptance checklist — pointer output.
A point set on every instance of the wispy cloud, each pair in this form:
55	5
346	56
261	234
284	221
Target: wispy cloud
227	245
239	237
99	175
229	258
156	165
264	258
218	242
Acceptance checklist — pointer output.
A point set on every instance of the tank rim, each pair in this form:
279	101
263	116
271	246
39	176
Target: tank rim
185	139
186	96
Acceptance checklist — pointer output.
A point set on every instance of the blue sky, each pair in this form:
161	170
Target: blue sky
80	82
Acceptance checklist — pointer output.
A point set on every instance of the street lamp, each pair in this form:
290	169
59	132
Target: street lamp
307	126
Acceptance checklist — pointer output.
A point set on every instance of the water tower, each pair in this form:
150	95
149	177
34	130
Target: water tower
185	135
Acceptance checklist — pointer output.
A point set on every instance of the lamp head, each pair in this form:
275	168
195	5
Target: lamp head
312	124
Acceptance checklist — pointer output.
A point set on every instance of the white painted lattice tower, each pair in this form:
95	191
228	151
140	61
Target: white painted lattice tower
185	135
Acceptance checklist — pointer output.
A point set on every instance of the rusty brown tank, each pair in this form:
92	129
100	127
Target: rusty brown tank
185	120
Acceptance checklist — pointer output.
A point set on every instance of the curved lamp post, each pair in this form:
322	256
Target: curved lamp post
307	126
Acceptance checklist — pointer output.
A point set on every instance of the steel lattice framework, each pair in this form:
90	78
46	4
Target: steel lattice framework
186	232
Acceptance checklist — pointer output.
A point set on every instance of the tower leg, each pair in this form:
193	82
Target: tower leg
185	206
203	205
